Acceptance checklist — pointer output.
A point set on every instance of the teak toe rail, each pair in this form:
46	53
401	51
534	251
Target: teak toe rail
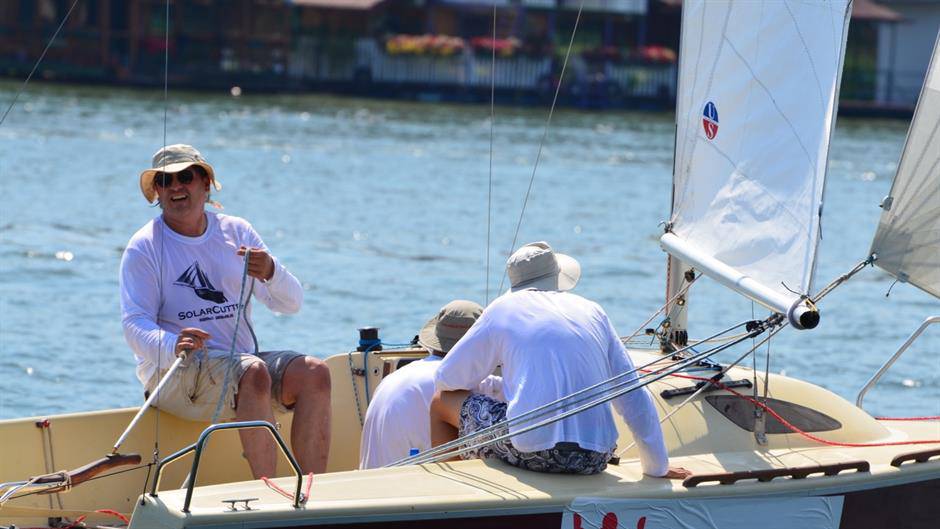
917	457
729	478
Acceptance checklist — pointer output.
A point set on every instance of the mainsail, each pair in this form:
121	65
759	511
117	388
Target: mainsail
758	89
907	243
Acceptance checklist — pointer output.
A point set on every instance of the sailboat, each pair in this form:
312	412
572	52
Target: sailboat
758	91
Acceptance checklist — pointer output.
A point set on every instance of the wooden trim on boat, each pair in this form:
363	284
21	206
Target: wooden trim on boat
729	478
917	457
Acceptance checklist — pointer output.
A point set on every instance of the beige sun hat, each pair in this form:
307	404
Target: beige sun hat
442	331
537	266
172	159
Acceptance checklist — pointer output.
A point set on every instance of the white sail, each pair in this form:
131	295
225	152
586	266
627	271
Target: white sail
907	242
758	90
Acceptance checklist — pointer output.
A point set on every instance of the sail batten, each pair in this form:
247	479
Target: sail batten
907	242
758	88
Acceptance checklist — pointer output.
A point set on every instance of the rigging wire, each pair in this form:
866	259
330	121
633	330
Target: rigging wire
38	61
705	386
598	389
601	397
489	193
166	91
548	123
682	291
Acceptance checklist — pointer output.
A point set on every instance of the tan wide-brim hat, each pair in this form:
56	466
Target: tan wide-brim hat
445	329
537	266
173	159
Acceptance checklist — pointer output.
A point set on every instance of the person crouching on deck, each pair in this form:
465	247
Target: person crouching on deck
550	343
181	277
397	419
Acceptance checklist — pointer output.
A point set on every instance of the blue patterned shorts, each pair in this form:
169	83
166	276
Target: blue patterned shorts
479	412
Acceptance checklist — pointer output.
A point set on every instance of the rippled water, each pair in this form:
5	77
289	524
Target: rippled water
380	208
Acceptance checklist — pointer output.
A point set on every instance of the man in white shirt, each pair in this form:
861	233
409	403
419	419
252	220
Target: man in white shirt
397	419
181	278
550	344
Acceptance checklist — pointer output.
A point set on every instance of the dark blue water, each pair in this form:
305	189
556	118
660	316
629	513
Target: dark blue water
380	209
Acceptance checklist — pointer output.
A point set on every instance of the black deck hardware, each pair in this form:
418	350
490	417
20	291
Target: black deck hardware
729	478
670	393
233	501
917	457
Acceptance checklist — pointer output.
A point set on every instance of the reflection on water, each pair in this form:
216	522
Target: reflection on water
380	209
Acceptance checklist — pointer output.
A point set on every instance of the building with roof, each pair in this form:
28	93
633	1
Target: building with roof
903	50
623	53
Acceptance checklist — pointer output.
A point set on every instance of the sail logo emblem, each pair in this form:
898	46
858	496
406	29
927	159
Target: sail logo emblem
197	280
710	120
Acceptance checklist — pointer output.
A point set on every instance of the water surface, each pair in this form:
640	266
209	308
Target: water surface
380	208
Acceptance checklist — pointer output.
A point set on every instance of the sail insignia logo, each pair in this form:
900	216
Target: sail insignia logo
194	278
710	120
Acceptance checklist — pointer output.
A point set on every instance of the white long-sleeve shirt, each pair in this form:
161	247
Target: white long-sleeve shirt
550	345
170	281
399	419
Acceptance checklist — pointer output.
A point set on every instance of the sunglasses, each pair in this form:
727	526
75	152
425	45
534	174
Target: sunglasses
184	177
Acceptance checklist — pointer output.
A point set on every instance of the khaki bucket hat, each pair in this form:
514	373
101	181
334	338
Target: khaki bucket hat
442	331
537	266
172	159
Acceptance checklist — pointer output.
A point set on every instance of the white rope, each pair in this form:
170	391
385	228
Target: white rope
242	303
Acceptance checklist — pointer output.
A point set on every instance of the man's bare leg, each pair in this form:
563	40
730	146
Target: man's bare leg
254	404
306	387
445	416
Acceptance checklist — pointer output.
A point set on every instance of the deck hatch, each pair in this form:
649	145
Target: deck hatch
741	413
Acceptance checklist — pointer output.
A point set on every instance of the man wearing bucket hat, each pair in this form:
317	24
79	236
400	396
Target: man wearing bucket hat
550	343
397	419
181	278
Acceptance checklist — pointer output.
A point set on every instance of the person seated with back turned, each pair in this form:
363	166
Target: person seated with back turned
550	343
397	419
181	277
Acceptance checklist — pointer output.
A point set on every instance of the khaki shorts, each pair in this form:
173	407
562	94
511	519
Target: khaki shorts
194	389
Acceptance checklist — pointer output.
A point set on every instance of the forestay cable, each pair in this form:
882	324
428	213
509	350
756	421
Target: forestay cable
38	61
548	123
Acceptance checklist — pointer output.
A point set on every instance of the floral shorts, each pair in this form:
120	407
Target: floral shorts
479	412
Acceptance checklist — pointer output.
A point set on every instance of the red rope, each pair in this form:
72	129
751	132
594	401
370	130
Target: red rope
79	522
797	430
273	486
309	486
114	513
